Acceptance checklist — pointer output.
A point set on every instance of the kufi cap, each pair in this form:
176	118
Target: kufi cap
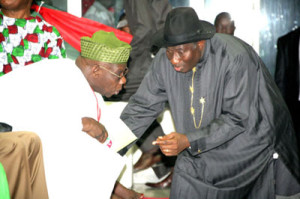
105	47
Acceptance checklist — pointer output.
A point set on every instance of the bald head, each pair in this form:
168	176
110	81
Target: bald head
224	24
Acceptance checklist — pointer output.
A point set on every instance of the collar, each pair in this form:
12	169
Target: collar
204	58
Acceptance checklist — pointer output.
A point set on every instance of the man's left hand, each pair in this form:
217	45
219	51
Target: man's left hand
94	129
172	144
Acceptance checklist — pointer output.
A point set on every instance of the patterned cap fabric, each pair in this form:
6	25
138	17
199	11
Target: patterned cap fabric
106	47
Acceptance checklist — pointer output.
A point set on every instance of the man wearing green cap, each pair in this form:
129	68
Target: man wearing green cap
57	100
234	135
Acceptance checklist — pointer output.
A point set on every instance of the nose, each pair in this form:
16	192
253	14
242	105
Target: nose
123	80
175	59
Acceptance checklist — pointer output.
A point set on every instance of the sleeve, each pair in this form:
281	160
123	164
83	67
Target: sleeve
238	93
147	103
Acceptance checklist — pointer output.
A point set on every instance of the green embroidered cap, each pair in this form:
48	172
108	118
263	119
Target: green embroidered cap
106	47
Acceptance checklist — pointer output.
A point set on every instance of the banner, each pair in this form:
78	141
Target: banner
72	28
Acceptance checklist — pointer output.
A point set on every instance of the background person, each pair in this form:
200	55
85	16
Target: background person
224	23
287	74
25	38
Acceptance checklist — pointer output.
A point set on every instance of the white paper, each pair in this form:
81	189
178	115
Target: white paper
117	130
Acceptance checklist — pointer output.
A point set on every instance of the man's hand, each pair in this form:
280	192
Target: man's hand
94	129
172	144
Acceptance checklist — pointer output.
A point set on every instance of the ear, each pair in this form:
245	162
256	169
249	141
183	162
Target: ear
96	72
201	44
232	26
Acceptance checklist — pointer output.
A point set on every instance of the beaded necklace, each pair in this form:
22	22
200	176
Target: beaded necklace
201	101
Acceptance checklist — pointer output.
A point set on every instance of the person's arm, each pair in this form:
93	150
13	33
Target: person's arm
94	129
147	103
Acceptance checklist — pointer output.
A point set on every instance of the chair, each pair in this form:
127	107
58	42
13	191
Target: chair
4	190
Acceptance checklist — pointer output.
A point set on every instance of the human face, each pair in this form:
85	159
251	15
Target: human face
12	8
225	26
111	79
184	57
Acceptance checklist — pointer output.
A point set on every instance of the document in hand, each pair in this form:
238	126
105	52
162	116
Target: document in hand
118	132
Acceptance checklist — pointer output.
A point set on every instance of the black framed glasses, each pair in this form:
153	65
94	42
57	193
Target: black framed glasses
119	76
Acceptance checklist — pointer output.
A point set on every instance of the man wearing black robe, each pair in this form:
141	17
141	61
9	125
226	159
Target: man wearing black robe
234	136
287	74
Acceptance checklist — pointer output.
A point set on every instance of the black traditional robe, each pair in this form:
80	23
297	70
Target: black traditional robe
287	74
244	121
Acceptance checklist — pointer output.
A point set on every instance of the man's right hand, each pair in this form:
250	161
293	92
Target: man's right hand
172	144
94	129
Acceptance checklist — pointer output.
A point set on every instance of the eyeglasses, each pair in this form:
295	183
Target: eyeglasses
119	76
